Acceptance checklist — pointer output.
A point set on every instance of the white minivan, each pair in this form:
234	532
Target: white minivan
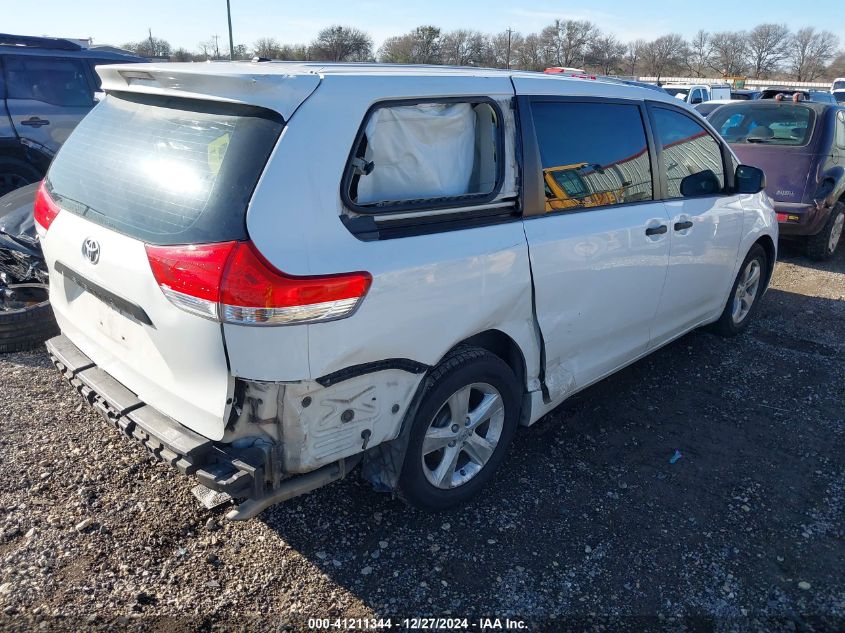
271	273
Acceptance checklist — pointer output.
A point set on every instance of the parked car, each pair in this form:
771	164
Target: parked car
50	85
822	96
801	148
838	84
745	94
698	93
388	282
706	108
26	320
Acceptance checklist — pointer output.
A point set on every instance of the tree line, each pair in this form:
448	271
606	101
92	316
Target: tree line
768	51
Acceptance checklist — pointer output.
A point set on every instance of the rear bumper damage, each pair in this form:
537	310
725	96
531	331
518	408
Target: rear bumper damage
245	471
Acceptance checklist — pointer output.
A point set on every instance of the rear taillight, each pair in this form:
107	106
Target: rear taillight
232	282
46	209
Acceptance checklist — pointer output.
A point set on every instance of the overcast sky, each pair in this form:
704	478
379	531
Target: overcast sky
187	22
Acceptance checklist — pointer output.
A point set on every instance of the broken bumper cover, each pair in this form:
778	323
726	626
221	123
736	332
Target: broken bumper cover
220	467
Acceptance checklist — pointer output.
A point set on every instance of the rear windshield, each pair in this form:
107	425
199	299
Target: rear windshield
765	123
680	93
165	170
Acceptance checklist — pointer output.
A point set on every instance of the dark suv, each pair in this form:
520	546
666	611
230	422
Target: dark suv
46	86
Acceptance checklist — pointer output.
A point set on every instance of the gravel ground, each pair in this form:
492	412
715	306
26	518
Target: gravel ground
588	524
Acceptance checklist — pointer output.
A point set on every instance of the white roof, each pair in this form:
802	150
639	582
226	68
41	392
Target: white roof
282	86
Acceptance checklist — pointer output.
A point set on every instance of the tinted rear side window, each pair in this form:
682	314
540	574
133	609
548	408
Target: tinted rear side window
593	154
765	123
164	170
61	82
692	159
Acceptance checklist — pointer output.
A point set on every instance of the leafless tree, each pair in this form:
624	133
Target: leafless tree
150	47
664	54
837	66
420	46
767	48
342	44
633	55
529	53
568	41
463	48
810	51
268	47
698	54
502	49
181	55
605	54
729	52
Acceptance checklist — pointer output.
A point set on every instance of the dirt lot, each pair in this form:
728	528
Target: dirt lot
588	523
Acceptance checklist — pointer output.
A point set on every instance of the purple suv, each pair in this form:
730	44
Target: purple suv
801	148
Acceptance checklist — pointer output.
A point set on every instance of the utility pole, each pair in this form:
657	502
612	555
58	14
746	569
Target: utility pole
216	39
510	31
152	43
231	42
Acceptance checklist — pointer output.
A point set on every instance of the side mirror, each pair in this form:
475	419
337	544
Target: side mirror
703	183
750	179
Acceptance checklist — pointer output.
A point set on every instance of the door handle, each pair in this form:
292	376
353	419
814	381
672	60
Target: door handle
35	121
656	230
680	226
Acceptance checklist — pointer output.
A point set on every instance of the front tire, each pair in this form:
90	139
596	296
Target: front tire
745	293
461	431
823	245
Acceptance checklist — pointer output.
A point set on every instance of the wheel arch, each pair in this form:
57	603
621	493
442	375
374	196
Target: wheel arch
768	245
499	344
383	463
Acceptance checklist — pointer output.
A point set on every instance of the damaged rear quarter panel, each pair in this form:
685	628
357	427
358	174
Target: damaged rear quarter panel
323	424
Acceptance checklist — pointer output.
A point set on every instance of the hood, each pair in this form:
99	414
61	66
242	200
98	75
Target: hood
787	169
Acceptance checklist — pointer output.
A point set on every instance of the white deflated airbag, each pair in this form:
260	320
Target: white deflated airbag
419	151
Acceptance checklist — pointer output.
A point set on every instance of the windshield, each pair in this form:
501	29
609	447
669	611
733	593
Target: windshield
165	170
839	85
765	123
680	93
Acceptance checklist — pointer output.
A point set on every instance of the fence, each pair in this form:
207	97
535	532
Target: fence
749	83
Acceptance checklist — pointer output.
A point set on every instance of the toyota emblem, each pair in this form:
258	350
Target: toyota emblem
91	250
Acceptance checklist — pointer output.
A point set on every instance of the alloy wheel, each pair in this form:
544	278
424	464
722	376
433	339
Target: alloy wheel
463	435
836	232
746	291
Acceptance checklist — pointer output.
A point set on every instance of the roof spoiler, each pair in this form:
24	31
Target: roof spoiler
280	92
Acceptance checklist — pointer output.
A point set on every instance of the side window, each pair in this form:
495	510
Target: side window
692	158
426	155
52	80
592	154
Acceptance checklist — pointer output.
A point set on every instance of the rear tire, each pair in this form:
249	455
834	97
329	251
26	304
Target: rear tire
27	323
822	245
15	173
461	430
745	294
